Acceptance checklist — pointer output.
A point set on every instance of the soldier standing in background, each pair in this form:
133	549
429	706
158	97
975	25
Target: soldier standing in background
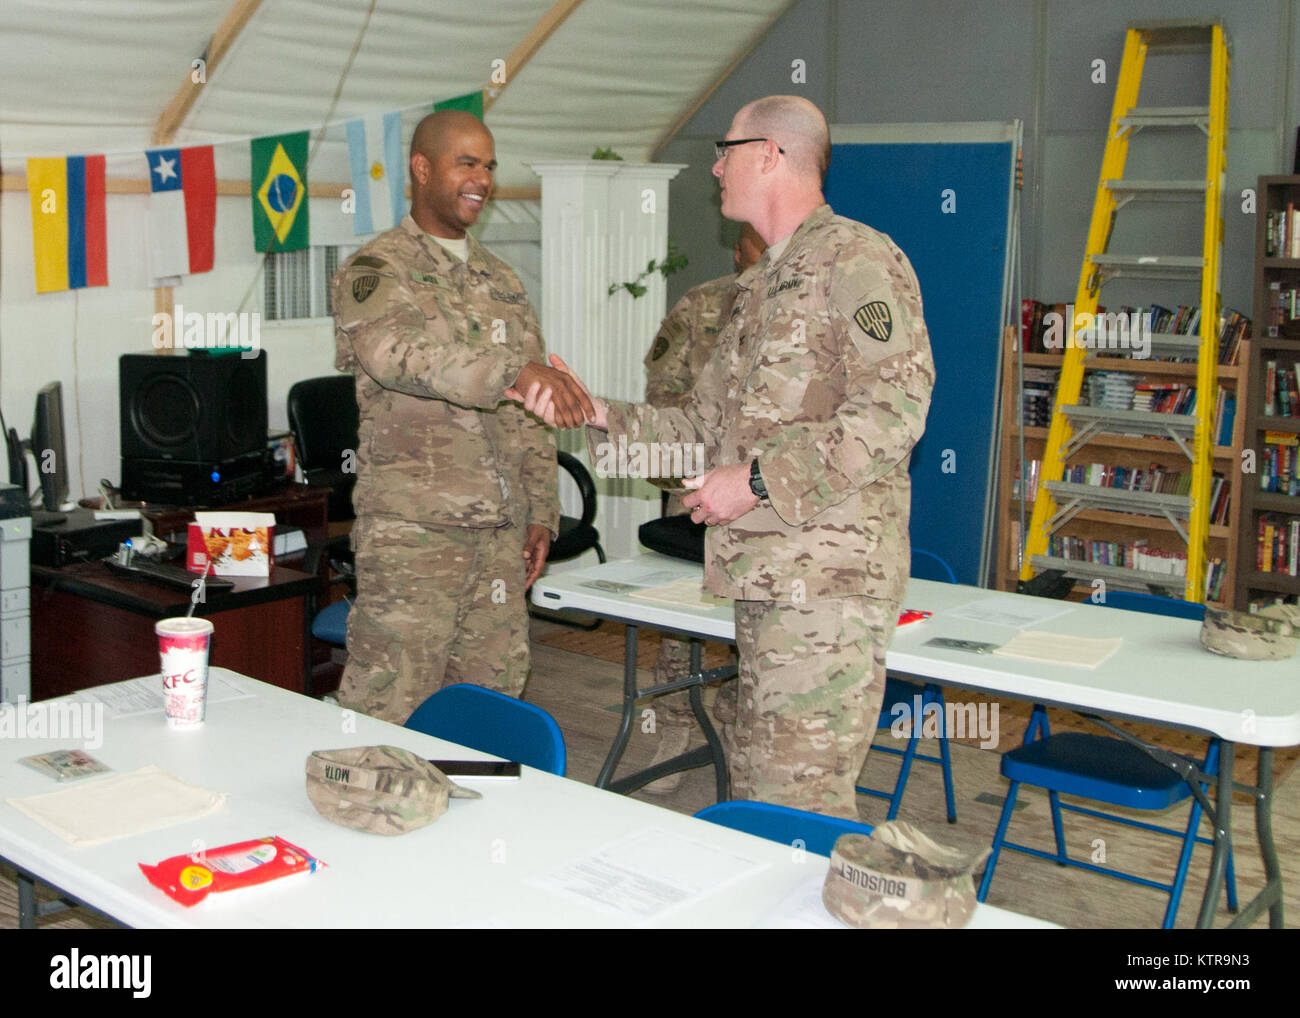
808	411
456	490
681	348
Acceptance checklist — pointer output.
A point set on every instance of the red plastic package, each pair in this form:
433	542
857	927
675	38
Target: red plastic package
191	878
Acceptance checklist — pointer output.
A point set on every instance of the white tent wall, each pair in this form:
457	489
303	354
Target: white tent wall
581	75
76	337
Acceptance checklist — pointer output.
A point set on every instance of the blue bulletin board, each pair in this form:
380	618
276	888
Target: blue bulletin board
946	195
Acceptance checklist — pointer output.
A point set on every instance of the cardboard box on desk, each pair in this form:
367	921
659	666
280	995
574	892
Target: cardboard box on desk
238	544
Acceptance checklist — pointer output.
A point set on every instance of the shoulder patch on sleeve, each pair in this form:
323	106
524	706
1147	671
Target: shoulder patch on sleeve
364	291
875	314
660	348
875	319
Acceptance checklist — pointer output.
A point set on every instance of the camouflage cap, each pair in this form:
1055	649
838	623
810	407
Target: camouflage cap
1272	634
379	789
899	879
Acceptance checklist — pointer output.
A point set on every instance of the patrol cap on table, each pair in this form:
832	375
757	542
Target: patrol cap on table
1272	634
900	879
379	789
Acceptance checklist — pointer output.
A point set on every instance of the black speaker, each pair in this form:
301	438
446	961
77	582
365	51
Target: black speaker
194	407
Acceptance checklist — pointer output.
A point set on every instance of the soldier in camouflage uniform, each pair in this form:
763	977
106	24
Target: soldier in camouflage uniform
681	348
456	490
808	411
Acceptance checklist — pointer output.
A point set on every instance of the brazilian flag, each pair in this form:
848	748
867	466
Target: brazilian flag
472	102
279	184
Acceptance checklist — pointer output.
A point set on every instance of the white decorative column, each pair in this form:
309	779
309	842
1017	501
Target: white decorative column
602	223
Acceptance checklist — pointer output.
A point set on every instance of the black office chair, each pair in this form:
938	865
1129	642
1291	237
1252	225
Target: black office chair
324	418
674	535
575	536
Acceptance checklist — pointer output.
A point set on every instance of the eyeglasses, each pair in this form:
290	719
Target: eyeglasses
720	147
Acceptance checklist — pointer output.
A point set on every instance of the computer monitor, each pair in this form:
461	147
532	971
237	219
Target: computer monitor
17	460
49	449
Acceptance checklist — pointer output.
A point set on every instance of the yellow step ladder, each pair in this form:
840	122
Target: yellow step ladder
1056	502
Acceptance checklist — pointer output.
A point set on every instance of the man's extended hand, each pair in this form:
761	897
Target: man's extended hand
537	545
543	401
558	391
720	495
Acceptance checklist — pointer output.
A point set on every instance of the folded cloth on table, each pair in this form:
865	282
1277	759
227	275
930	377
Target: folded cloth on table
101	810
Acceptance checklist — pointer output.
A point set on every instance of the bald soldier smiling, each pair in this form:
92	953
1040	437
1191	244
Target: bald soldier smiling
456	487
809	408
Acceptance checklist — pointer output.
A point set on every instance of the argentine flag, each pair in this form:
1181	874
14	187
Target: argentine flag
378	172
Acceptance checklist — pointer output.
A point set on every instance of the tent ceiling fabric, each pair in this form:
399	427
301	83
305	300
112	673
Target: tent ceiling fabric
616	73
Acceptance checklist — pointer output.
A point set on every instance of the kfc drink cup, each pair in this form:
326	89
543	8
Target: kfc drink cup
183	648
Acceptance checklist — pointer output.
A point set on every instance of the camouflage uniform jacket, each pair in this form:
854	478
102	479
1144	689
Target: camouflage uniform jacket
685	341
823	372
433	343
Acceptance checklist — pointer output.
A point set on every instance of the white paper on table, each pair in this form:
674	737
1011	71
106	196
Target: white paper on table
144	695
685	591
1019	614
802	909
105	808
644	875
619	576
1058	648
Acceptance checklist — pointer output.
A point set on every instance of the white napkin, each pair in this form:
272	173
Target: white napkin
96	811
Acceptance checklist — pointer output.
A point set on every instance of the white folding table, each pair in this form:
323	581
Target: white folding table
1161	674
495	861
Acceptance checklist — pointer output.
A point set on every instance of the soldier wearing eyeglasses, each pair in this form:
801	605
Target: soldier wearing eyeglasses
809	410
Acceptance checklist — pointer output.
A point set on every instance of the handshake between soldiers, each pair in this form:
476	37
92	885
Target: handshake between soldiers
556	396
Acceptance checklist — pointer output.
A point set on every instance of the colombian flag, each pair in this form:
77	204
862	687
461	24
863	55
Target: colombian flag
69	237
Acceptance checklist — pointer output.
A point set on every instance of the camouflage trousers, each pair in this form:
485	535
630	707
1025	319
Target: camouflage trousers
812	678
435	606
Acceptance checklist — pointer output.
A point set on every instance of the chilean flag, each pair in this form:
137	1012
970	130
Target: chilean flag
182	210
69	237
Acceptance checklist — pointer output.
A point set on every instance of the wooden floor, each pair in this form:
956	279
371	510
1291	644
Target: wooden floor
582	693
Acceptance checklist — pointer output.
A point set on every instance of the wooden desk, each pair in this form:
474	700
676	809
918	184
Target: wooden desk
294	505
91	626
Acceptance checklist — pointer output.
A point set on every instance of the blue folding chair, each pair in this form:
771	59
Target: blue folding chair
925	566
492	722
782	824
1111	771
331	623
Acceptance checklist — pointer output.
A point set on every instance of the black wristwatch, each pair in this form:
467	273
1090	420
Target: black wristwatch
756	484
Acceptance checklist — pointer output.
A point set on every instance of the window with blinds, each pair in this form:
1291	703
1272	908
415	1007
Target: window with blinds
296	284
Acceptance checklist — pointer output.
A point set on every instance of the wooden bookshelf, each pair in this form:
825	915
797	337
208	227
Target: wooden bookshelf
1282	345
1134	451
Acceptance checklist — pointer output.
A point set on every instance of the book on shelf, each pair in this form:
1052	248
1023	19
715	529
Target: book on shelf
1278	547
1153	479
1040	332
1280	395
1282	233
1233	328
1279	468
1283	309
